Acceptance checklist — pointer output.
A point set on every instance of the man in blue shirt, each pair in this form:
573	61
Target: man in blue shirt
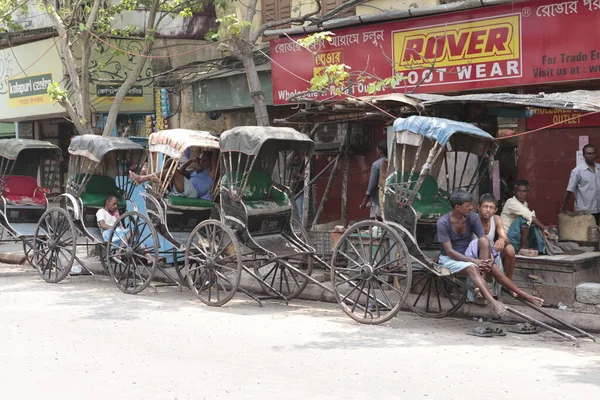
197	185
455	231
378	168
202	179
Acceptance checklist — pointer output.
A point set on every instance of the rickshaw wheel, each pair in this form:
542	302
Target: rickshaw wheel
55	245
28	251
371	272
213	263
132	260
280	277
434	296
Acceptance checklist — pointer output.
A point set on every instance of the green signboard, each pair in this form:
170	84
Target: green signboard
229	92
29	86
111	91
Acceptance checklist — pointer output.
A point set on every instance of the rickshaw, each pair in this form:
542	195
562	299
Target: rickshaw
98	167
429	158
28	170
182	222
259	167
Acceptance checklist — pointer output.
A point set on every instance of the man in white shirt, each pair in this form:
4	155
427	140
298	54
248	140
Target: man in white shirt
107	217
524	229
585	183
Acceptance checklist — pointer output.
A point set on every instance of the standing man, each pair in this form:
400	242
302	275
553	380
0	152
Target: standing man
585	183
525	231
378	169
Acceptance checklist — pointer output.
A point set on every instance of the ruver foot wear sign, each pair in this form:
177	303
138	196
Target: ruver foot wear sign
514	45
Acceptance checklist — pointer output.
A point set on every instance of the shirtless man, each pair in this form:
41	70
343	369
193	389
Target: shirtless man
455	230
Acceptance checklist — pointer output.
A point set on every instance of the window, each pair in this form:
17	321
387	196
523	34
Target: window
329	5
275	10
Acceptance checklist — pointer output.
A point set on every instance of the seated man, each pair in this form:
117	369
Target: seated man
454	231
197	186
526	238
494	228
107	217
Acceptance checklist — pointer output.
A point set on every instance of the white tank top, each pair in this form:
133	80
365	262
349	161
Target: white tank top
492	234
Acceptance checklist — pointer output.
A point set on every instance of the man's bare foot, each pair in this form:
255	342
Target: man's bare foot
498	308
478	293
529	252
135	177
535	300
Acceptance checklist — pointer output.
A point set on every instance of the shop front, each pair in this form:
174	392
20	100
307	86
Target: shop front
529	47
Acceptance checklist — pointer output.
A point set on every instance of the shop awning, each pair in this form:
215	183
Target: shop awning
583	100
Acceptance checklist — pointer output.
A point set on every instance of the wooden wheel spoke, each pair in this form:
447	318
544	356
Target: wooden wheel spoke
364	261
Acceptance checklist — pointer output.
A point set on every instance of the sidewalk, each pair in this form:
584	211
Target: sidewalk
10	252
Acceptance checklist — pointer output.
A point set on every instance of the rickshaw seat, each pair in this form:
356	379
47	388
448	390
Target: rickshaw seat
23	190
260	195
188	202
97	189
429	203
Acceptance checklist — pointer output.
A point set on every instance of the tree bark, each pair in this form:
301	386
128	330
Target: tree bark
111	120
256	91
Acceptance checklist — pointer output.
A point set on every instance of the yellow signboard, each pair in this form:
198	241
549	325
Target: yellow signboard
479	41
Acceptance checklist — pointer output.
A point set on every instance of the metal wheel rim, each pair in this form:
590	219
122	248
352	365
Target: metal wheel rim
428	292
371	283
132	263
213	263
55	245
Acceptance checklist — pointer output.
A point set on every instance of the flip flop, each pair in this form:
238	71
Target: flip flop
524	329
496	331
481	332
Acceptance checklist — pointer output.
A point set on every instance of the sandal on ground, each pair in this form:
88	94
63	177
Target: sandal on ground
524	329
481	332
496	331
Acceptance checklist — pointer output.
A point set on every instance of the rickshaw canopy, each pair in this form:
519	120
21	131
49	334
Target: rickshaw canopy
250	139
94	147
440	130
11	148
174	142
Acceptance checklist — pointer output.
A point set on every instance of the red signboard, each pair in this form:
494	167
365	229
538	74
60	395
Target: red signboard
560	119
513	45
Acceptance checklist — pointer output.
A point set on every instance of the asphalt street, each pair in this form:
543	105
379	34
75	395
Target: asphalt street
84	339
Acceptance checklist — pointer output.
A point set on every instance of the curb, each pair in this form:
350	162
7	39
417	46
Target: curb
12	258
585	321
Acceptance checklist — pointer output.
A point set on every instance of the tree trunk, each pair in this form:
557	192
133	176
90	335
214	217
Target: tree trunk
256	90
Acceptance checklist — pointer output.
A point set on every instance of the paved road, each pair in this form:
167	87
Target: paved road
83	339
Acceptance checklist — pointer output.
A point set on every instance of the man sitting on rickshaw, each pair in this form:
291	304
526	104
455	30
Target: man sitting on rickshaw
107	217
455	231
198	185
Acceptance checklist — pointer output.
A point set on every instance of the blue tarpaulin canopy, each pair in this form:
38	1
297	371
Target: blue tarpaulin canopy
438	129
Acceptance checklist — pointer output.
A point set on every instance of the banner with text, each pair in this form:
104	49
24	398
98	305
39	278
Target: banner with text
502	46
25	73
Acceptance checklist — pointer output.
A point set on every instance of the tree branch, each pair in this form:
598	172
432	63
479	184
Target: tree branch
74	116
111	119
67	54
